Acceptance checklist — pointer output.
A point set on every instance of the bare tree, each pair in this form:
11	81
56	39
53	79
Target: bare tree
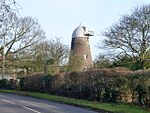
131	35
6	8
16	34
54	52
45	56
20	33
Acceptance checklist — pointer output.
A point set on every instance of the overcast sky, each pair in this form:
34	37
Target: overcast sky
59	18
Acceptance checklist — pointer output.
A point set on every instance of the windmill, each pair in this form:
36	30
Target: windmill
80	49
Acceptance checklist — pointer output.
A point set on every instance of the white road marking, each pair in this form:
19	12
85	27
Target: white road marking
9	102
31	109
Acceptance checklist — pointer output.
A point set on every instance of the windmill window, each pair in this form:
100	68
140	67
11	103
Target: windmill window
85	56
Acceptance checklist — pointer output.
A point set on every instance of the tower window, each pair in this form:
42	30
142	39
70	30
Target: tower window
85	56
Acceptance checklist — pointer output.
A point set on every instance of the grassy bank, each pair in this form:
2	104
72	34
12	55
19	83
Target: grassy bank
117	108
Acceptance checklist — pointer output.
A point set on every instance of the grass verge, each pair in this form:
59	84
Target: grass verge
116	108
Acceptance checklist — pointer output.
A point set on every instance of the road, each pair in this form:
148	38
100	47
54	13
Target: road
10	103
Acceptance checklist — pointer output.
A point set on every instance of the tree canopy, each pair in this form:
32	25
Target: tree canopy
20	33
130	36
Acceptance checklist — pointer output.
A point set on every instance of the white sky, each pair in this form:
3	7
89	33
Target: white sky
59	18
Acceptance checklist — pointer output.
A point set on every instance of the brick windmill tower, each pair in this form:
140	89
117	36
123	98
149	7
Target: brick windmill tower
80	54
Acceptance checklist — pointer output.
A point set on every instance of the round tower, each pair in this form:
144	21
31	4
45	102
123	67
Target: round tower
80	54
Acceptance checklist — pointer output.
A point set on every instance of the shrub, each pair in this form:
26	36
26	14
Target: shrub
106	85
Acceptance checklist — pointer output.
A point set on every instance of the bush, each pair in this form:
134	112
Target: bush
105	85
4	83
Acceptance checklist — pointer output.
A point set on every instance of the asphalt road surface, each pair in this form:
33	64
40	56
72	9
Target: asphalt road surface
10	103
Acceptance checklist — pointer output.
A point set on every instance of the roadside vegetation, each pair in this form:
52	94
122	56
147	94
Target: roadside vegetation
98	106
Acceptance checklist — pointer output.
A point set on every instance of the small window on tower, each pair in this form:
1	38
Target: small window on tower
85	56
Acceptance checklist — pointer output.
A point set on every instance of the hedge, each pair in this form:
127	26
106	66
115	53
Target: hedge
104	85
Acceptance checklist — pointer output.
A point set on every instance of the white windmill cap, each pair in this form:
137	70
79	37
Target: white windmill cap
81	31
